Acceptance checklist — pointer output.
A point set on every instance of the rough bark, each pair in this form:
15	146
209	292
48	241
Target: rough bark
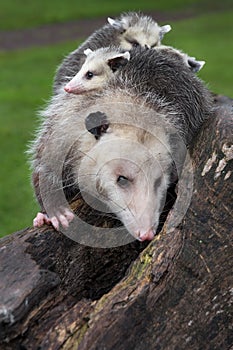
174	293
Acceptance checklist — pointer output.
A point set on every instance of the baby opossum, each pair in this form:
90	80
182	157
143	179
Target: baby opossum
119	145
101	64
194	65
129	30
97	69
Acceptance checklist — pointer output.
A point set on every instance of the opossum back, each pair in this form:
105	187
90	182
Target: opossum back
103	37
157	75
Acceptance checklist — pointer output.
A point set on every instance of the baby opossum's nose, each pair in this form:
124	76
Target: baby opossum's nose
72	88
146	236
67	88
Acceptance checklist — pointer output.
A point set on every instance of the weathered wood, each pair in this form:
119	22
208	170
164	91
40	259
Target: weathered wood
44	274
175	293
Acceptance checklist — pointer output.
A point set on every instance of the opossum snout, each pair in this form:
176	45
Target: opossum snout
73	89
146	236
67	88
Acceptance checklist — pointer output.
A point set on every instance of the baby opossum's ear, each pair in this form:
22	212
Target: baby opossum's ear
163	30
114	23
118	61
87	52
195	65
97	124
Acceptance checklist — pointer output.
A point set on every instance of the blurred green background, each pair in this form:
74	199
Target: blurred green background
204	30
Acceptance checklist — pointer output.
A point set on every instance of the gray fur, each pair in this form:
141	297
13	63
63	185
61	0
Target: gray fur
161	74
193	64
106	36
153	79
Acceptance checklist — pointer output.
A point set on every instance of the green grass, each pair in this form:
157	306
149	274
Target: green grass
16	14
26	79
25	84
208	38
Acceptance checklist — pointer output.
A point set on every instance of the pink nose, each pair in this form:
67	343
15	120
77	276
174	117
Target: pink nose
72	89
147	236
67	88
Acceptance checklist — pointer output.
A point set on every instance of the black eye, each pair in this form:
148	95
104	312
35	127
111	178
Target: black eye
123	181
89	75
157	183
132	42
135	44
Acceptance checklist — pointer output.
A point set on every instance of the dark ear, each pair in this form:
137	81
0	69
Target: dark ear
97	124
118	61
194	65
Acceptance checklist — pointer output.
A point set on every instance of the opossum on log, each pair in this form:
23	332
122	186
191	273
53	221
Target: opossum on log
119	145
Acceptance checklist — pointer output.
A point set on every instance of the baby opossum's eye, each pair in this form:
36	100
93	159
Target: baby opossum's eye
134	43
89	75
154	45
123	181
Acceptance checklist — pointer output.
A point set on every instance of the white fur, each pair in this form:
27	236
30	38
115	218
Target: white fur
135	34
114	23
146	33
138	205
136	146
141	30
87	52
165	29
96	63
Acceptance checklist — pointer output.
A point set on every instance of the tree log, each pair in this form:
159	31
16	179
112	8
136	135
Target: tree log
174	293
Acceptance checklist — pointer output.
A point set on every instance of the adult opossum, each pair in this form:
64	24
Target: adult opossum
119	145
129	30
100	66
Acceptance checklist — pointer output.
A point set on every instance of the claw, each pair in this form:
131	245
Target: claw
64	218
69	215
55	222
40	220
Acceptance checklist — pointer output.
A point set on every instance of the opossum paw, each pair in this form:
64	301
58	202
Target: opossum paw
63	217
40	220
55	222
